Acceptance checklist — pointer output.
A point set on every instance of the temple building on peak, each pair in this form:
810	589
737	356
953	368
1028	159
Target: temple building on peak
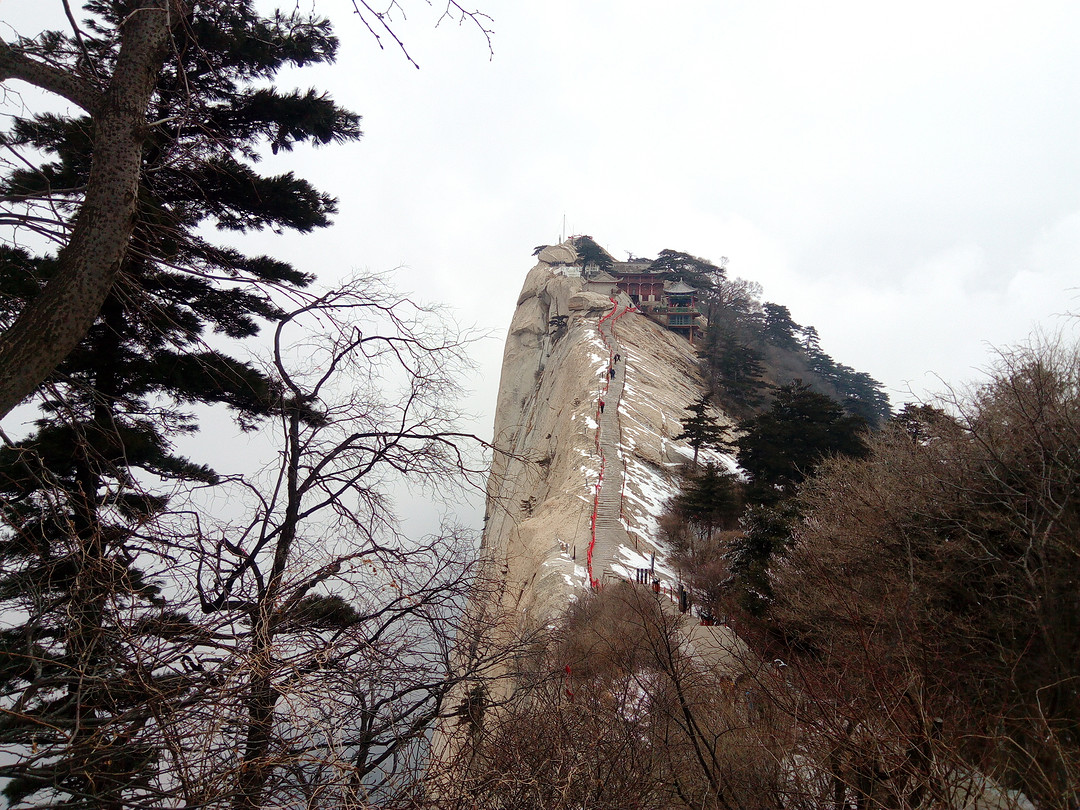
673	304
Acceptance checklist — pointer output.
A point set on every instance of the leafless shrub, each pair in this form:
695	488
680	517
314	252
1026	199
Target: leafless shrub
625	713
933	592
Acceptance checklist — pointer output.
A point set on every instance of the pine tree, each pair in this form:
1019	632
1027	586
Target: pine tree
766	532
864	397
701	428
700	273
710	500
780	330
810	339
86	529
924	422
783	445
859	393
734	368
590	254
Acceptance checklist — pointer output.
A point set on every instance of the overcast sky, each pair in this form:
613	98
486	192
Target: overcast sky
902	176
905	177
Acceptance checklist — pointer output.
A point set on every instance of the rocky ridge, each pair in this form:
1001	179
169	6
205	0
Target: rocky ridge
575	494
561	464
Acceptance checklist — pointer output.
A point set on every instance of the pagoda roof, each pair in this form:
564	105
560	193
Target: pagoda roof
636	268
603	277
680	287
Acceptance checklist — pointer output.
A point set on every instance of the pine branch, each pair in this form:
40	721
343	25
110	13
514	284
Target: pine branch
15	64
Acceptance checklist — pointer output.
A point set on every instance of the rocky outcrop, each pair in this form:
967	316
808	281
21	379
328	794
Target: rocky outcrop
575	491
554	448
563	254
574	496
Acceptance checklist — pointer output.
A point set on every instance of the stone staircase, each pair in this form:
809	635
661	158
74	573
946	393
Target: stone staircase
610	532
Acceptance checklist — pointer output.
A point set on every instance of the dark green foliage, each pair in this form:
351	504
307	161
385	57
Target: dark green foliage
864	397
697	272
766	532
84	494
591	254
749	345
318	612
700	428
557	325
710	500
698	524
783	445
859	393
924	422
779	329
819	408
809	340
779	448
736	369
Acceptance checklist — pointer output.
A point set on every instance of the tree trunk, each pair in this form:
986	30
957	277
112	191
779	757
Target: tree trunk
261	699
55	321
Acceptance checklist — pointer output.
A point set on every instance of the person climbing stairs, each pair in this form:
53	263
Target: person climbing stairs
609	531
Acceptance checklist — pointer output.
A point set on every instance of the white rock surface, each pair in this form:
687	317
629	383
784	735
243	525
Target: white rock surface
586	301
547	464
558	254
542	483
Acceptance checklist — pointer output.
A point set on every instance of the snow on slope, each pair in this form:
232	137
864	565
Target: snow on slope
545	473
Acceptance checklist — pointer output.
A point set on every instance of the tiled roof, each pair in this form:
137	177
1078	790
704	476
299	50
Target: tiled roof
680	287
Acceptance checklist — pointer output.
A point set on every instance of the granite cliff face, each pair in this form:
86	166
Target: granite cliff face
575	490
574	496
